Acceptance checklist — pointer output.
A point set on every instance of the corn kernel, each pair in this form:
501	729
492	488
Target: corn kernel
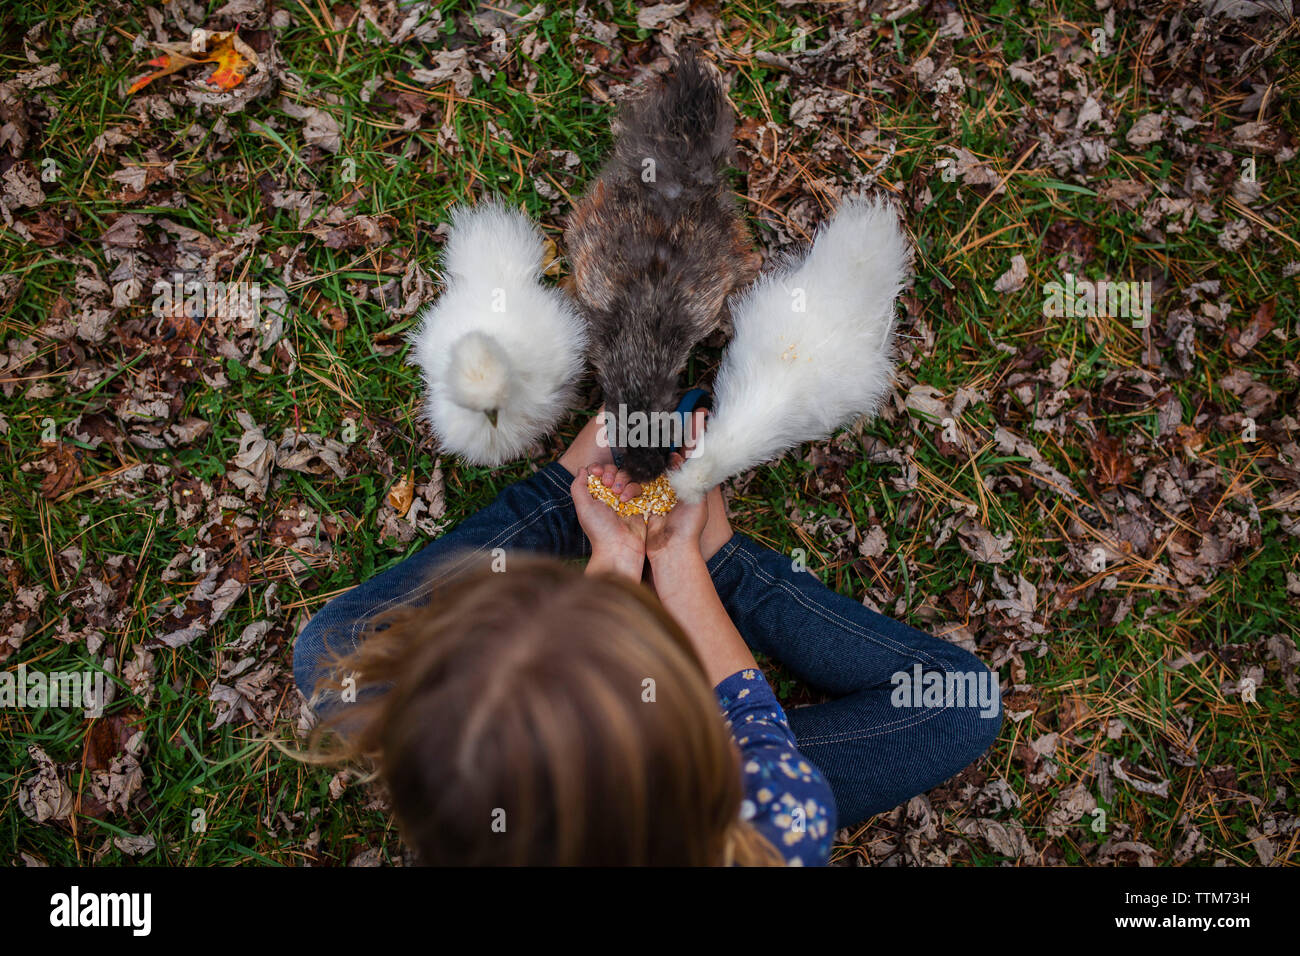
657	497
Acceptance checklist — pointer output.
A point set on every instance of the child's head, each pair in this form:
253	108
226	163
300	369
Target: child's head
540	716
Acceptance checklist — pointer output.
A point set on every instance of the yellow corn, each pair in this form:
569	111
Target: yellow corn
657	497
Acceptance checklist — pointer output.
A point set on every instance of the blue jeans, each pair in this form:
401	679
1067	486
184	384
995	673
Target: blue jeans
875	751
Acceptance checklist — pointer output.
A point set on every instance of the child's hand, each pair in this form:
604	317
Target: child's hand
617	542
676	533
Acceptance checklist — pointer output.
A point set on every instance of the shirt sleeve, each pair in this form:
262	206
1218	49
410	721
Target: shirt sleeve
787	799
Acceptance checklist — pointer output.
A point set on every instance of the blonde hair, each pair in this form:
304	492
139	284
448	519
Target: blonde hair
539	716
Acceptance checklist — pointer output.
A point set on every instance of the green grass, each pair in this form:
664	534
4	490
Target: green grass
1083	672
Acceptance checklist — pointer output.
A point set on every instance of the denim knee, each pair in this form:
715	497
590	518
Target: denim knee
975	726
307	649
324	636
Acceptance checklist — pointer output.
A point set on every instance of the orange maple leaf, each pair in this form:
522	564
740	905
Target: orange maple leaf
234	58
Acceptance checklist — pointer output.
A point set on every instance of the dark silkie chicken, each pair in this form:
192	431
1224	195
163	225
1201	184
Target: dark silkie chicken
657	244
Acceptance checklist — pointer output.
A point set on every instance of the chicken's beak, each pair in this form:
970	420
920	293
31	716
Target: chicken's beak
491	414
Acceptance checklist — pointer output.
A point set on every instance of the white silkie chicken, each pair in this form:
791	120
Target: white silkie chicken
500	351
812	349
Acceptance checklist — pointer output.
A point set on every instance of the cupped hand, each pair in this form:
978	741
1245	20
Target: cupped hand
679	531
618	543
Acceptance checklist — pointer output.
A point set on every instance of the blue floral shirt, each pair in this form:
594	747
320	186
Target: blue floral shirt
786	798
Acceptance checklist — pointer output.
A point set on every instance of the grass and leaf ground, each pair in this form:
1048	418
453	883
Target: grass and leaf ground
1106	514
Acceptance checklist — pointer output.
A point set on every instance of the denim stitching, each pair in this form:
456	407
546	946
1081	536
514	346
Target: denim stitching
848	736
730	548
827	615
853	626
556	479
736	545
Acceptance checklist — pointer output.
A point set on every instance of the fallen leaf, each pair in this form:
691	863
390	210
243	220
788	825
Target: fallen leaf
402	494
44	797
64	464
648	18
1147	130
1241	341
358	231
1014	279
310	454
319	129
1159	788
234	60
982	545
1138	853
136	845
1112	465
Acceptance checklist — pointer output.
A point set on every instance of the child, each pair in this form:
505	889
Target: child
531	714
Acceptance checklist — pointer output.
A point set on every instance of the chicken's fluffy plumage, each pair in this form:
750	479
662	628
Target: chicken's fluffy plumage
657	244
812	350
498	343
